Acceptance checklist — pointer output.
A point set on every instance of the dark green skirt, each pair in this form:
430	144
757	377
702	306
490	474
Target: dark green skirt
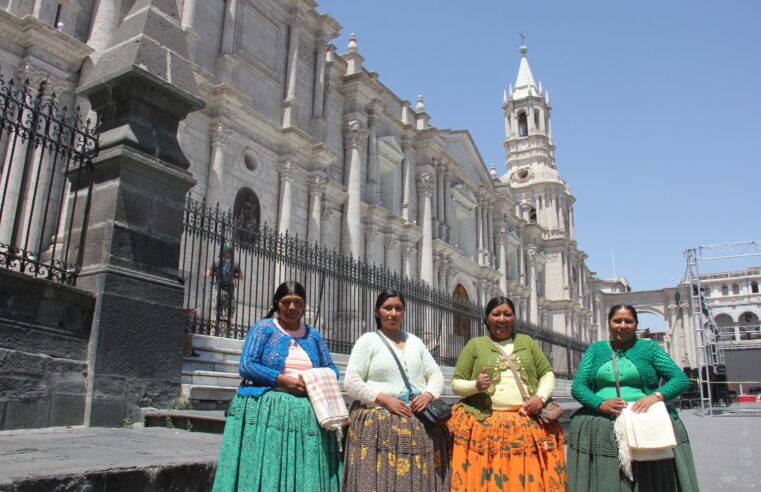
274	443
592	463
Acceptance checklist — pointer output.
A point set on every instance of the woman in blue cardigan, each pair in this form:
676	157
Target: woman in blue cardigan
647	375
272	440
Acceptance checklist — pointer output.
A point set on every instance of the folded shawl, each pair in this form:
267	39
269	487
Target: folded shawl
326	398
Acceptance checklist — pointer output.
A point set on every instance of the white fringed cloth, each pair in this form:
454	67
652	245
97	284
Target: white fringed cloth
327	401
645	436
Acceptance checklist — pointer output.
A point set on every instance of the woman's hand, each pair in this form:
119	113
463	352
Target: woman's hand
532	406
644	403
612	406
294	386
394	405
483	381
421	401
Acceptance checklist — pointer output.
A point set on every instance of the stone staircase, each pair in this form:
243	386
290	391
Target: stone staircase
210	376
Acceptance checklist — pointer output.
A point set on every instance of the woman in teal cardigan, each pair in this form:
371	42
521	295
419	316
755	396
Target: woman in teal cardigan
642	364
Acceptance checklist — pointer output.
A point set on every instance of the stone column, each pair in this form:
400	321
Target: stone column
677	342
228	26
218	135
319	78
352	213
371	187
407	178
690	355
533	304
374	252
188	15
479	233
406	251
330	221
105	20
571	232
503	267
424	191
490	233
287	173
133	241
391	250
440	207
484	233
318	183
448	211
290	105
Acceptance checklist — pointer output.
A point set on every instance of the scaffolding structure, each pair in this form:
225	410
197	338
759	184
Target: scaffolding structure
707	353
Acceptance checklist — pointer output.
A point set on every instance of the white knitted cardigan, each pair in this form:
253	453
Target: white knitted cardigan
372	369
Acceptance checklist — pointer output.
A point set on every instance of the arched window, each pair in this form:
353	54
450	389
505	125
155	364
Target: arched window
247	214
536	119
461	323
522	125
532	216
754	287
735	289
724	290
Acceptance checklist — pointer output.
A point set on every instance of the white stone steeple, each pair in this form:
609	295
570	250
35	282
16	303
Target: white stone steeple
528	134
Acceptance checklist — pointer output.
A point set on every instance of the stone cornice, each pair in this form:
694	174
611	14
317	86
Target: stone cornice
32	32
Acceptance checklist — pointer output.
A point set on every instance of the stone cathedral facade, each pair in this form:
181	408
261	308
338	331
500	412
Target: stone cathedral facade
304	135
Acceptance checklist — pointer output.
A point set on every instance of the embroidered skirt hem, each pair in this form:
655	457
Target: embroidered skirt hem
274	443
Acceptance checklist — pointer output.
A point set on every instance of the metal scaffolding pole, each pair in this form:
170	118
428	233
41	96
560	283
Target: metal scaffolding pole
706	350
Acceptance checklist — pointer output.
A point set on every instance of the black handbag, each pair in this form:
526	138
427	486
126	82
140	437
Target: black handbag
437	412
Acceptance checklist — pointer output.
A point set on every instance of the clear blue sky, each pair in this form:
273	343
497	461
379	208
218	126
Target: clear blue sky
656	108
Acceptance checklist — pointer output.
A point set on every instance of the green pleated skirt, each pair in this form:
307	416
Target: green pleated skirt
592	462
274	443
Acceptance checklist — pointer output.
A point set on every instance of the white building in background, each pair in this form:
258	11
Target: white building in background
734	299
307	138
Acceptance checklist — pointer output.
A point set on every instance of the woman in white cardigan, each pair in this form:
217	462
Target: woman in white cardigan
388	448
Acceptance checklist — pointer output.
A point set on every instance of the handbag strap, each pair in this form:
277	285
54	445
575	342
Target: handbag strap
615	373
513	369
398	364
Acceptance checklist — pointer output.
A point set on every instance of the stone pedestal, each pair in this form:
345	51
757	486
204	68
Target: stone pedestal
141	90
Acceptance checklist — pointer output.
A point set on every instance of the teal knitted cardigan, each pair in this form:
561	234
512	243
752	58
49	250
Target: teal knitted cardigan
652	362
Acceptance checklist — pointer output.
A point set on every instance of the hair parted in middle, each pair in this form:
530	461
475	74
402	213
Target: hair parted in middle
619	307
383	297
287	288
497	301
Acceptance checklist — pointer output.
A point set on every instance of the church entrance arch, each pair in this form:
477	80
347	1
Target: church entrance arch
461	323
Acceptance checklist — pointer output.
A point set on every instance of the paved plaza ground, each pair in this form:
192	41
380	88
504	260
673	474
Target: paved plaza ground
727	450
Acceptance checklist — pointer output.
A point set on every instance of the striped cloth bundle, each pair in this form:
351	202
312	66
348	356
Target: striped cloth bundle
325	396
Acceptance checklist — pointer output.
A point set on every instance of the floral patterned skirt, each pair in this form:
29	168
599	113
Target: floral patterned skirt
385	453
505	451
274	443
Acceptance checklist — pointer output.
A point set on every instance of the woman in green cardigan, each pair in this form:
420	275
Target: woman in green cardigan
593	452
498	442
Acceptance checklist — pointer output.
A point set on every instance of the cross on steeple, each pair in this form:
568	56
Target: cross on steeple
523	37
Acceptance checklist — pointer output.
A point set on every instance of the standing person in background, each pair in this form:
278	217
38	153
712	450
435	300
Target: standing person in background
388	448
225	274
498	442
272	440
593	451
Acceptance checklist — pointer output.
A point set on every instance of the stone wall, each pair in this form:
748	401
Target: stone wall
44	334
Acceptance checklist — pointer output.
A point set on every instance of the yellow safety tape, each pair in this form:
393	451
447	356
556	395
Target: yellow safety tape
726	382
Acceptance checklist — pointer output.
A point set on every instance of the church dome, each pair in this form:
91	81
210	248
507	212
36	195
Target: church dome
524	176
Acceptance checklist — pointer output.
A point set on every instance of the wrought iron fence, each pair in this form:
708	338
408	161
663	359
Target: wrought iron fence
230	268
43	221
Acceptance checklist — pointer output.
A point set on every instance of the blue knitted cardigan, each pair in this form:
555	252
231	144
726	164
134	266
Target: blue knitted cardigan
264	353
652	362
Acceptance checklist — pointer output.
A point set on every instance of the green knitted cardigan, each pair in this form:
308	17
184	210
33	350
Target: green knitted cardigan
652	362
480	352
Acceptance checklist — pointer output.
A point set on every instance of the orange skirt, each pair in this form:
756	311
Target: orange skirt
506	451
